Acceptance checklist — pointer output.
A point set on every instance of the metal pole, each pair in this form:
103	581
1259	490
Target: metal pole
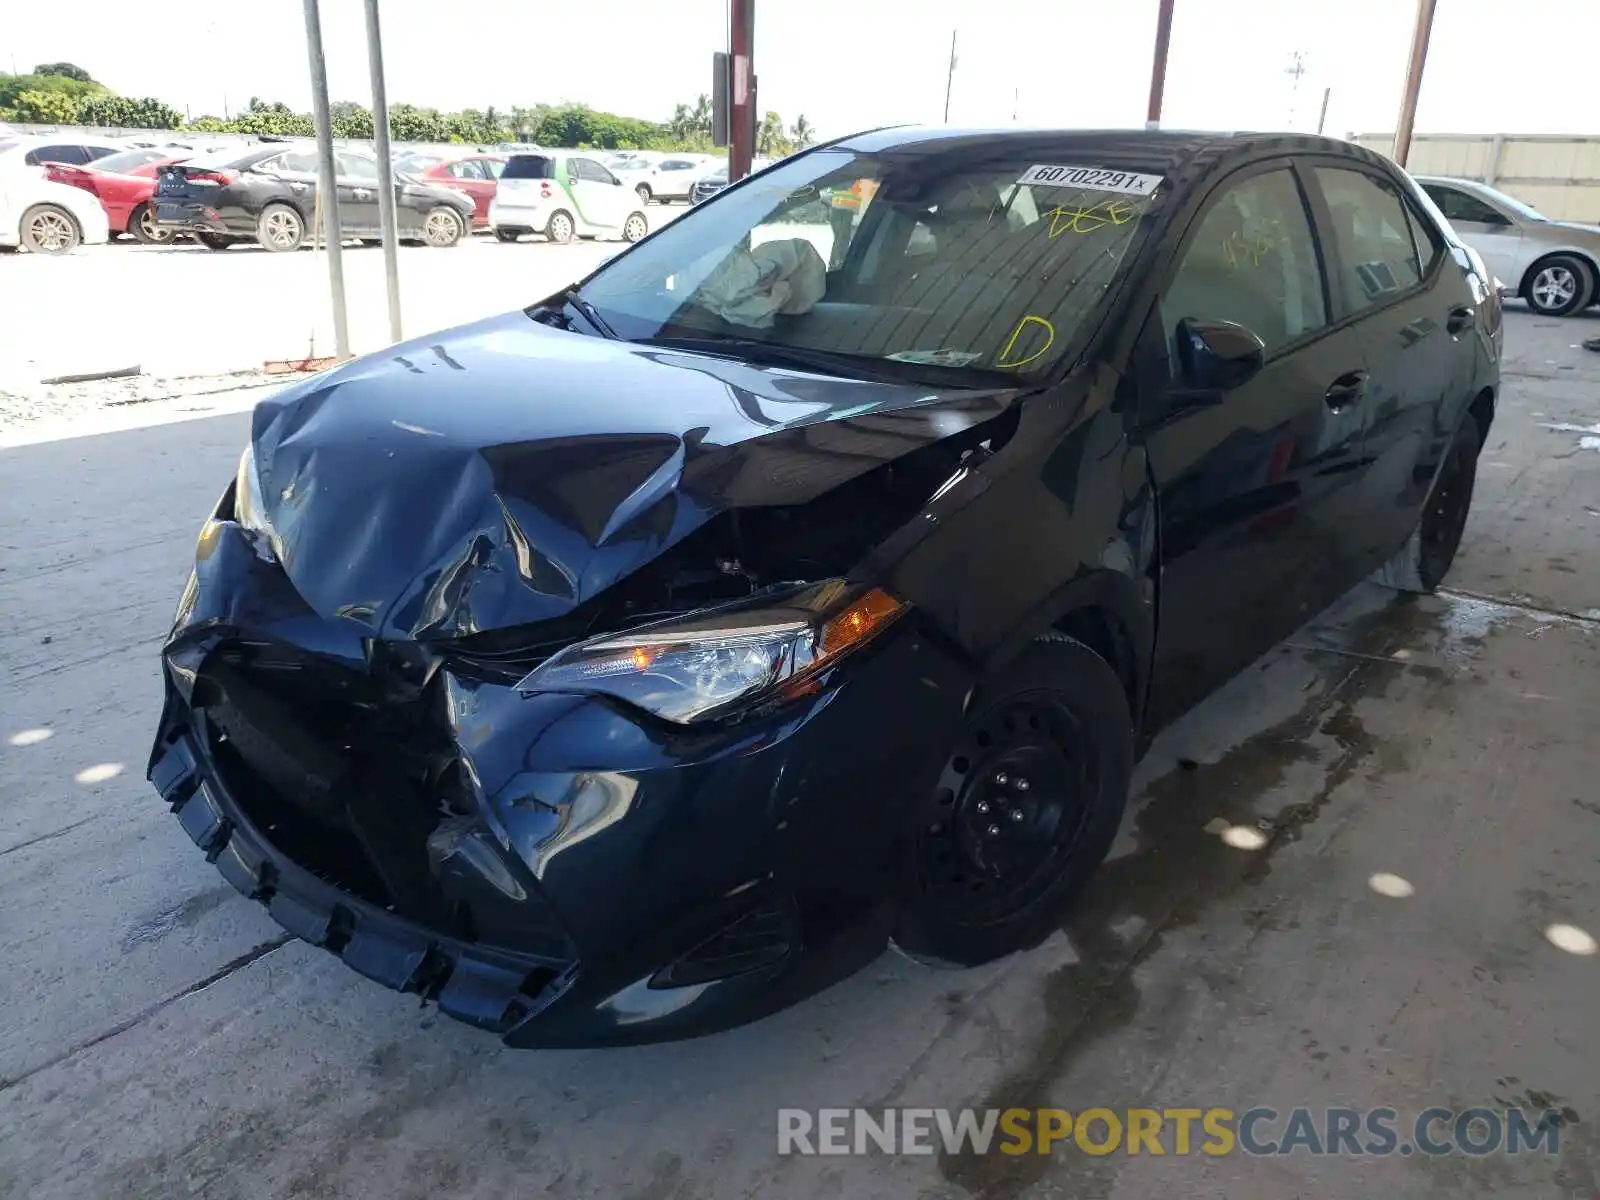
1158	67
380	131
1408	101
741	106
327	178
950	76
1322	117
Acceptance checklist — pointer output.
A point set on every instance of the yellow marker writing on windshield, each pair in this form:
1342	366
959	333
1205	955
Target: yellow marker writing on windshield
1016	335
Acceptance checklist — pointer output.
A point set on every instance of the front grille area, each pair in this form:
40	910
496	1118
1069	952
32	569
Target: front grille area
348	775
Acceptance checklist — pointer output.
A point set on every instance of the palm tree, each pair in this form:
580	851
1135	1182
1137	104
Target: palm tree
702	113
770	140
682	123
802	132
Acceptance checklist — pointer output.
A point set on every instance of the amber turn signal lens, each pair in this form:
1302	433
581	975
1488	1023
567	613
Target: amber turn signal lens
865	616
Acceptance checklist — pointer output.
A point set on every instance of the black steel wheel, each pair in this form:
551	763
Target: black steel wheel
1422	563
1025	808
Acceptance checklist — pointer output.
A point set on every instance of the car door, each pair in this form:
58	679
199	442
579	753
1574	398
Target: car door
1412	307
1492	233
1256	486
358	193
295	174
675	177
601	198
470	176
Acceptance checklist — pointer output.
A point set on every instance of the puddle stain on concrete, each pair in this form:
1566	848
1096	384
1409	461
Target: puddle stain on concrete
180	916
1176	871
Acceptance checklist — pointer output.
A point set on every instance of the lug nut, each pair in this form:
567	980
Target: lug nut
1000	778
983	806
1016	815
1022	784
994	831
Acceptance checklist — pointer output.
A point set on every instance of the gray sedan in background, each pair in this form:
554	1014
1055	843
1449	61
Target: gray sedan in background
1553	265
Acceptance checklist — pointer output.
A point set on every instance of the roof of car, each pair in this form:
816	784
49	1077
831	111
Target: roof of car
1176	151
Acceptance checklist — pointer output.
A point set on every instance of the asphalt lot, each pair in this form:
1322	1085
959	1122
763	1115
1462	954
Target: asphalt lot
185	310
159	1038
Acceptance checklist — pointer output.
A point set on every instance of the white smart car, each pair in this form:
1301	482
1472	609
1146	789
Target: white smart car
562	196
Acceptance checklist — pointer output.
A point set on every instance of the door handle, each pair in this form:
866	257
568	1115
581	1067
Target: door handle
1461	318
1345	390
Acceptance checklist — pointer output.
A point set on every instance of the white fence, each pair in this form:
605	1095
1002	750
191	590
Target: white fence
1558	175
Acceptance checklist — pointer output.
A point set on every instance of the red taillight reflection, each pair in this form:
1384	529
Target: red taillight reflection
219	177
545	191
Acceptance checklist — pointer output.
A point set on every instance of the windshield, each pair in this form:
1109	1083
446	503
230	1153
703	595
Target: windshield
943	260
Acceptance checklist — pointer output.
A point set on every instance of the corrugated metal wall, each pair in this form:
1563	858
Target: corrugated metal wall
1560	176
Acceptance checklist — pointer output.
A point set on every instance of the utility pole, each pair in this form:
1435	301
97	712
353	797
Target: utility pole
1322	117
950	77
1295	69
1016	102
380	130
327	178
1158	67
1408	101
741	92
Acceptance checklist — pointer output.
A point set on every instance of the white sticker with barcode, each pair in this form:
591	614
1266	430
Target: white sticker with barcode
1091	179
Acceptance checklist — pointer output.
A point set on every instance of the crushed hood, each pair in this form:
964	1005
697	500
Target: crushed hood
505	472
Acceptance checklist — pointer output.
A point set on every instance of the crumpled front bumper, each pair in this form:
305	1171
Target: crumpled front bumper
623	882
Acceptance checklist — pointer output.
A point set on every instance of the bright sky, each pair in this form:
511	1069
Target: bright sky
1494	65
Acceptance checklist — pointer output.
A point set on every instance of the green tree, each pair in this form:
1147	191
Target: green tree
700	115
125	112
771	140
44	108
802	133
209	124
350	120
12	86
65	70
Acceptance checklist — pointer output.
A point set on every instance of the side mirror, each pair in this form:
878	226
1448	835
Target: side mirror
1217	356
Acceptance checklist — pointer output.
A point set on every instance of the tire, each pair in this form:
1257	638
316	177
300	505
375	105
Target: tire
507	235
214	241
142	225
635	228
643	192
443	227
996	855
1559	286
1422	563
371	241
50	229
280	228
560	227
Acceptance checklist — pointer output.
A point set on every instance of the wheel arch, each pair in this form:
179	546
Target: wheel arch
1104	609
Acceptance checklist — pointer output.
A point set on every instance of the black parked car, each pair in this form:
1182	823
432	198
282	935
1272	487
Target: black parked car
628	666
268	194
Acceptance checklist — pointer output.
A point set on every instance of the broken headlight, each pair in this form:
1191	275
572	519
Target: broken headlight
707	663
249	504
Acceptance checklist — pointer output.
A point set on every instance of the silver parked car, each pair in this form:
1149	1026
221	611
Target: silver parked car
1553	265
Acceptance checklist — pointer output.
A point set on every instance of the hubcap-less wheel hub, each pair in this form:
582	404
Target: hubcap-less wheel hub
1010	806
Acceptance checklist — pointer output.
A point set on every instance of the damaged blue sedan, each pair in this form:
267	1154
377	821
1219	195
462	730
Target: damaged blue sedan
808	578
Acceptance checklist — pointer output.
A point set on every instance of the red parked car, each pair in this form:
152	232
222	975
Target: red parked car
475	174
123	183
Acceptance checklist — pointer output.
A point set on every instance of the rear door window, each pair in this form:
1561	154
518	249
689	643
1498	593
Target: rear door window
57	153
1373	235
467	168
1252	260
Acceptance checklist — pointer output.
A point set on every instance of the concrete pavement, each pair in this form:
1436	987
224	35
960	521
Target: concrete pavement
158	1037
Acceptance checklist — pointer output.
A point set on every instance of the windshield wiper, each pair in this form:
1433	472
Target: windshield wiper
569	295
779	354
